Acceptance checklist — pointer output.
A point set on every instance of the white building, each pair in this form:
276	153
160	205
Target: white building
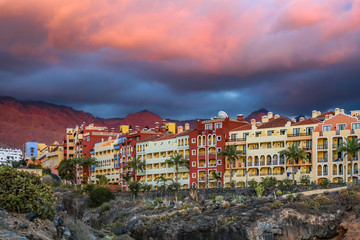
8	155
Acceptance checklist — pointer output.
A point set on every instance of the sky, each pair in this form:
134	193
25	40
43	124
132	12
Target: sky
182	59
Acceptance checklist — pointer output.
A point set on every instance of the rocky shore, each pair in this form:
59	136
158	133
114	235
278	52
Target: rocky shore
334	215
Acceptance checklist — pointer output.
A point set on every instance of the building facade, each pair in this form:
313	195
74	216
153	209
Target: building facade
51	156
8	155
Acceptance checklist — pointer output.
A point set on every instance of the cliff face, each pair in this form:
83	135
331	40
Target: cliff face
24	121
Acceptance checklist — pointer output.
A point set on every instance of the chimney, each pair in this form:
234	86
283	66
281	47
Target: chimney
318	113
253	121
156	124
163	122
137	128
163	129
293	120
157	129
180	129
102	140
327	116
240	117
342	111
264	119
314	114
337	111
214	118
270	115
302	119
187	126
277	116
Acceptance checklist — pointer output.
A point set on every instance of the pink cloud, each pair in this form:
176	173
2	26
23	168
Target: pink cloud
232	37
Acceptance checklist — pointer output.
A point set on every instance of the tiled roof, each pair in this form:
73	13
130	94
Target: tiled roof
324	114
244	127
150	138
278	122
306	122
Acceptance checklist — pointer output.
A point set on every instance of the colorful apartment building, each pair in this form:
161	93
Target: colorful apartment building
106	152
205	143
327	137
69	143
155	150
51	156
85	138
32	151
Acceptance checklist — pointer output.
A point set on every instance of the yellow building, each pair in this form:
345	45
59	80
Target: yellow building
51	156
155	150
105	152
261	143
336	129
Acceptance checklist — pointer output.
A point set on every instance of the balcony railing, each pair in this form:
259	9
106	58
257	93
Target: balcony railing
299	134
237	139
334	146
338	160
320	147
322	160
307	148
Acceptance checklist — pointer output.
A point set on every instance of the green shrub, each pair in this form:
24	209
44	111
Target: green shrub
159	200
278	193
219	198
146	187
324	183
322	200
185	206
23	192
252	183
100	195
135	188
259	190
276	204
105	207
213	196
233	184
238	198
103	180
268	182
305	179
291	197
88	188
121	215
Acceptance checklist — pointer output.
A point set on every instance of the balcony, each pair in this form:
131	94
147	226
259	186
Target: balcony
116	147
322	160
237	139
338	160
322	147
299	134
92	152
307	148
335	146
202	179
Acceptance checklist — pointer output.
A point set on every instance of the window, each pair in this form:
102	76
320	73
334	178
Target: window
355	126
245	135
193	175
326	128
219	162
219	138
257	134
270	132
309	130
218	125
193	164
233	137
193	152
296	132
208	126
269	145
193	140
137	138
340	127
282	131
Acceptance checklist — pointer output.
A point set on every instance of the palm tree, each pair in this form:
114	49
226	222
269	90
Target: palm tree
350	147
217	176
231	154
126	178
161	179
87	162
177	161
67	169
293	153
136	165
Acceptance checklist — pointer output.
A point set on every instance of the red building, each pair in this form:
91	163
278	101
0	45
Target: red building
80	141
205	143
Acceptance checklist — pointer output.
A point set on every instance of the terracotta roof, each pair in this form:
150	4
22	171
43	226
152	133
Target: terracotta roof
306	122
150	138
244	127
278	122
324	114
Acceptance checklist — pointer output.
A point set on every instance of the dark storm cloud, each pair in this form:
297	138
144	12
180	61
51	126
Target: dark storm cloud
183	59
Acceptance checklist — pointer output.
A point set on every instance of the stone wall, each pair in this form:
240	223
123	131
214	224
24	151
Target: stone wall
225	192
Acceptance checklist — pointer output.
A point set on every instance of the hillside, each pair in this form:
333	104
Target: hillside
24	121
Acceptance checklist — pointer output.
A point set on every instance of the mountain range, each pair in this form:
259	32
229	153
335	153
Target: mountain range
25	121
